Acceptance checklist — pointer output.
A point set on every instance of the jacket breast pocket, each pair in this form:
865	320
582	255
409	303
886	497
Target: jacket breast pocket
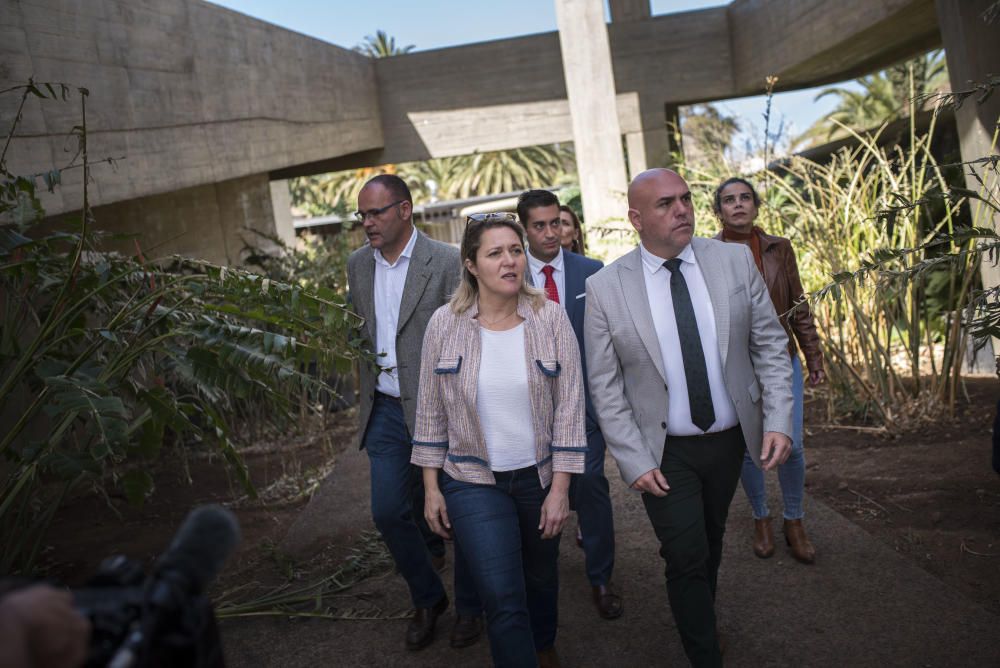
550	368
448	365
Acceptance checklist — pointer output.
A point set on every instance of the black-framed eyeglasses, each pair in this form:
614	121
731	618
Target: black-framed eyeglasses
362	216
493	217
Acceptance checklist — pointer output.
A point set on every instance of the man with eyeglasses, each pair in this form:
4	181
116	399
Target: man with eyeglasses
397	281
563	275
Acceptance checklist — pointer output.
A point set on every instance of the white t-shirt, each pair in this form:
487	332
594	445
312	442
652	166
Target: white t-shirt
503	400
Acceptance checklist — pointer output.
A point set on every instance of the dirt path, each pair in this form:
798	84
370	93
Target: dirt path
908	533
861	604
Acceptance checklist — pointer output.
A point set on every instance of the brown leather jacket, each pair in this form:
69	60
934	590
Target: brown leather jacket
781	274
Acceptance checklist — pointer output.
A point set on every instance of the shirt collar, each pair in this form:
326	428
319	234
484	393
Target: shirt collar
654	263
407	250
535	265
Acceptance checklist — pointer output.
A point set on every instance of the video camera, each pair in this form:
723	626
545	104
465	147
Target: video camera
164	619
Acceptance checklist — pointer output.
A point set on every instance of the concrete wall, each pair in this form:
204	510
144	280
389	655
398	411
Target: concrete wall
188	92
207	222
509	93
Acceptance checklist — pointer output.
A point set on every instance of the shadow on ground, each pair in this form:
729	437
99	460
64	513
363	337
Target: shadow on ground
861	604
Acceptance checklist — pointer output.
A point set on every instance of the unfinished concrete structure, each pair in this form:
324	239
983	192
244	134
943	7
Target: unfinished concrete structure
210	108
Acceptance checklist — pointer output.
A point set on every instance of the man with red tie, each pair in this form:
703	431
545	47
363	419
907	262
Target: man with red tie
563	275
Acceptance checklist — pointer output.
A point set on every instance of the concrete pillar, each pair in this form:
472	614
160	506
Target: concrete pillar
281	205
971	48
623	11
209	222
658	139
590	88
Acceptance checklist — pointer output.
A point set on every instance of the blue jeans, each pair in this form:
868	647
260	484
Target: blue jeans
398	502
590	494
791	474
515	572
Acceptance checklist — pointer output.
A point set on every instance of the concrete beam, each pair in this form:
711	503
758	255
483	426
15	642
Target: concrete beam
814	42
590	84
509	93
188	92
623	11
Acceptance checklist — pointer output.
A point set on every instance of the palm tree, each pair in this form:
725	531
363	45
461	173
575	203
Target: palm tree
456	177
884	96
495	172
381	46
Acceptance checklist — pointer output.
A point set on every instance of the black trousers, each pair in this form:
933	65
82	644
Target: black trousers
689	522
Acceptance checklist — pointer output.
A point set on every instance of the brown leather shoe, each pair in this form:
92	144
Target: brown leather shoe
763	538
548	658
420	632
795	537
466	631
609	603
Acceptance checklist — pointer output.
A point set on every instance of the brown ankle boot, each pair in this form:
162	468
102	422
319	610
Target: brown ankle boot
795	537
548	658
763	538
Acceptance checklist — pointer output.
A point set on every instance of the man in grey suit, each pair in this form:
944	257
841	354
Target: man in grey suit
397	281
688	368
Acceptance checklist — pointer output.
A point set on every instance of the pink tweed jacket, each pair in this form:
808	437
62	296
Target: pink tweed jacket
448	433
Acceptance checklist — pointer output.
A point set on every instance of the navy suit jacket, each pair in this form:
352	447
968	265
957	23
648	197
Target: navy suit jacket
578	270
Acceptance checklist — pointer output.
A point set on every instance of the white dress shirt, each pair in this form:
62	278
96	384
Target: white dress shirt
535	267
661	305
389	282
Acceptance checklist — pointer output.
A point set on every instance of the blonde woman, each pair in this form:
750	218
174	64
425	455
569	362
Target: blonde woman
500	429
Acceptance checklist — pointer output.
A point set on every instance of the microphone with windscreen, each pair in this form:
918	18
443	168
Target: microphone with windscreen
195	557
172	622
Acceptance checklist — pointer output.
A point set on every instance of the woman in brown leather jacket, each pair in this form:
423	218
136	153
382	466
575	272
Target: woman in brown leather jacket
736	204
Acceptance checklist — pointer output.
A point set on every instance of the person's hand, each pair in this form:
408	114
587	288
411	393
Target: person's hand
436	513
652	482
816	377
41	629
555	510
774	450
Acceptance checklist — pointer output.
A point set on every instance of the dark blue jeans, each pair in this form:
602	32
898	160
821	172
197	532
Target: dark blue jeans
590	494
515	572
398	502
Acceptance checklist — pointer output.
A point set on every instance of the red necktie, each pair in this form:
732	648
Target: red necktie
550	285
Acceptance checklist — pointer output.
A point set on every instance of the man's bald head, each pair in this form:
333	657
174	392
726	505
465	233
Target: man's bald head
644	180
660	209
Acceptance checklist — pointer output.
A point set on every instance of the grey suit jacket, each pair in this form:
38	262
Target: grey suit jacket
431	278
625	367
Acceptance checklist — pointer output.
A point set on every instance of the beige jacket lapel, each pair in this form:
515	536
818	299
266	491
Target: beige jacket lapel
633	284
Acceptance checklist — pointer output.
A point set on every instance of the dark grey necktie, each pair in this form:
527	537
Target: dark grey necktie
699	393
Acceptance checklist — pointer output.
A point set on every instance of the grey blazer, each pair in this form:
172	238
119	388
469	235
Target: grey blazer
625	367
431	278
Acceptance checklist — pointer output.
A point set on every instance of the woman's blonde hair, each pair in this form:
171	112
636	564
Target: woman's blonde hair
468	288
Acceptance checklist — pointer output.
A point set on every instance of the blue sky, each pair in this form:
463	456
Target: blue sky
431	24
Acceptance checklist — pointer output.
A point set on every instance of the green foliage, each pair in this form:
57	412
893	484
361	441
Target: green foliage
453	177
708	135
885	224
884	96
104	358
381	45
